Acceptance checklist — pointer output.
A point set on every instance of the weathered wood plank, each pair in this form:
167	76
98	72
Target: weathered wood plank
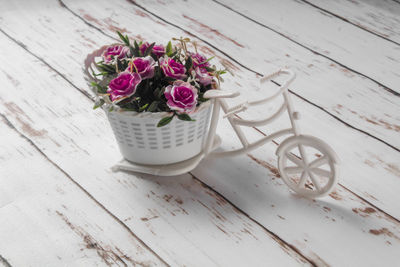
46	220
183	221
330	37
379	17
75	134
343	93
365	158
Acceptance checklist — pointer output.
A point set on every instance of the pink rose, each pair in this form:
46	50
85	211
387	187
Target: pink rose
143	47
181	96
114	51
123	86
203	77
199	60
158	50
142	65
172	69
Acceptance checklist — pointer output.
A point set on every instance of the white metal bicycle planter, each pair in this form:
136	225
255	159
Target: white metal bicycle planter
304	175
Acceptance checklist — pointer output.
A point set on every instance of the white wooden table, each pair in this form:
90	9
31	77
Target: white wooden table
60	205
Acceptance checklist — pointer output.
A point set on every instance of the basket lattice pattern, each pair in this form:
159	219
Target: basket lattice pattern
131	132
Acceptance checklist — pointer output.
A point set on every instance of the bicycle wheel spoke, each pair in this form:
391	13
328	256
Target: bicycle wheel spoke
321	172
303	180
291	170
294	159
314	181
318	162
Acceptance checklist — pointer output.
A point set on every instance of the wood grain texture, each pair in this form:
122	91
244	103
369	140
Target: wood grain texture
330	37
360	160
46	220
379	17
341	92
344	94
175	211
178	217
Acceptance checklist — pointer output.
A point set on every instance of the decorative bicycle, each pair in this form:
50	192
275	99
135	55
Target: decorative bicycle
306	164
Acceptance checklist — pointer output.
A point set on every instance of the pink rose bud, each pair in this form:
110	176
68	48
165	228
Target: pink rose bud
114	51
123	86
159	50
181	96
143	47
172	69
199	60
142	65
203	77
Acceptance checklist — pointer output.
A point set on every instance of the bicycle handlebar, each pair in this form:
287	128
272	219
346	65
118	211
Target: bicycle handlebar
278	73
282	88
244	106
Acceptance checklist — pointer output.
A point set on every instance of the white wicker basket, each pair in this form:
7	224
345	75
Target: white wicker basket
141	141
139	138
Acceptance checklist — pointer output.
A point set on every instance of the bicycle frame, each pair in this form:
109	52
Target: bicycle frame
235	122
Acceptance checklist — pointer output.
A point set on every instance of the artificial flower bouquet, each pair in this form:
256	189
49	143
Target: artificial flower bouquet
148	77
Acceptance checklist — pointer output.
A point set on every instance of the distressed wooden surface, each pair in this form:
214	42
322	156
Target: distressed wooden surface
335	39
377	17
61	205
337	87
360	152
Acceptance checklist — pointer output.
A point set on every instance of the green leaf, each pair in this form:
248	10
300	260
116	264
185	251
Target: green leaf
169	50
121	36
207	60
164	121
99	104
161	93
156	92
185	117
132	51
210	69
109	69
175	55
121	65
99	88
136	50
201	98
149	49
124	39
143	107
153	106
188	63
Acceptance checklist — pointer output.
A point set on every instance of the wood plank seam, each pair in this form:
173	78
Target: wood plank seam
291	91
276	237
4	262
310	49
77	96
62	4
339	184
90	97
346	20
47	64
9	124
249	69
23	46
272	234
